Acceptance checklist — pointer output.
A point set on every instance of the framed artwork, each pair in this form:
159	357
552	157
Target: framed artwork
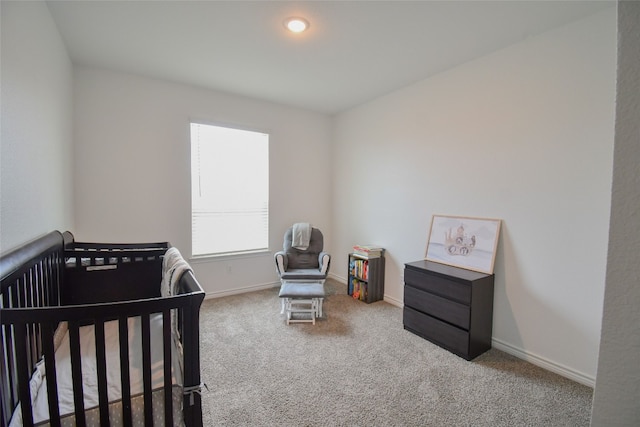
464	242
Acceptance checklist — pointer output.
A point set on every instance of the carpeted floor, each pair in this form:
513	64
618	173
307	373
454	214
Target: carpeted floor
358	367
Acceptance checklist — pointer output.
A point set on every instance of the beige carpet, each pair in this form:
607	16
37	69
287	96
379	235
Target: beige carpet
358	367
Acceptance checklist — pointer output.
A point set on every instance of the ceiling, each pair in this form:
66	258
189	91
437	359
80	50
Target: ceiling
353	52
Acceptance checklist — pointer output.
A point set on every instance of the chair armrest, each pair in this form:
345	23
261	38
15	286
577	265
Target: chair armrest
324	260
282	262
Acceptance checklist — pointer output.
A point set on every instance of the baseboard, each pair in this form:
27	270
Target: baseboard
393	301
547	364
260	287
219	294
340	279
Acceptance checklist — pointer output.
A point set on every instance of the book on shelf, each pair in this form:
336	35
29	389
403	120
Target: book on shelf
368	251
359	268
358	289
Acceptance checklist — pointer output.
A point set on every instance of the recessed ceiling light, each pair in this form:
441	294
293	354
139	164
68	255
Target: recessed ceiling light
296	25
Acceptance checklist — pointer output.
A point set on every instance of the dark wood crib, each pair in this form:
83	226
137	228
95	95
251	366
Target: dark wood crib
54	280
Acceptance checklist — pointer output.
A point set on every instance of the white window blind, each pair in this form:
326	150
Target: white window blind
229	190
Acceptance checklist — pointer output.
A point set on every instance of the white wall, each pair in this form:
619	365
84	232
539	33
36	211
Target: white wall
617	394
36	155
525	135
132	169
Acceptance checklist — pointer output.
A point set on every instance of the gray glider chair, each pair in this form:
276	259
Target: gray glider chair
311	263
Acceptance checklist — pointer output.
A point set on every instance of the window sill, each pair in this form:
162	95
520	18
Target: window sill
231	255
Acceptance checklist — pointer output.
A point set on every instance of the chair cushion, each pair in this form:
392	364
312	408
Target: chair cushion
304	259
303	274
302	290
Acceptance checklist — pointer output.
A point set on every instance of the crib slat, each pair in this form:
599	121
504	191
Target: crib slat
4	418
5	377
76	373
46	282
101	365
167	344
15	293
38	283
123	337
9	382
25	301
31	284
23	374
50	368
56	279
146	370
35	290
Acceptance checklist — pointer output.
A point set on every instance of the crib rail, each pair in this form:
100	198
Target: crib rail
30	275
91	269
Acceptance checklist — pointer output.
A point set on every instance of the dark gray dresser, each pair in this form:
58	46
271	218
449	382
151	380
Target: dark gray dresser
449	306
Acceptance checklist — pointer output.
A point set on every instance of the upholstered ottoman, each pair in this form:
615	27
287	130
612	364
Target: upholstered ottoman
302	297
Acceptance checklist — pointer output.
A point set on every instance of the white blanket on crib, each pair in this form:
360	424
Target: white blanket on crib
173	267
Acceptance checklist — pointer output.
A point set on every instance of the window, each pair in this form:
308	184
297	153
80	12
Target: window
229	190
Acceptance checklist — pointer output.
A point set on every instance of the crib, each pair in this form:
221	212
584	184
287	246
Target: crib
73	313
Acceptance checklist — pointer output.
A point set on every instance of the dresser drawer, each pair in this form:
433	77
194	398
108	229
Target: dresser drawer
443	334
438	285
436	306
